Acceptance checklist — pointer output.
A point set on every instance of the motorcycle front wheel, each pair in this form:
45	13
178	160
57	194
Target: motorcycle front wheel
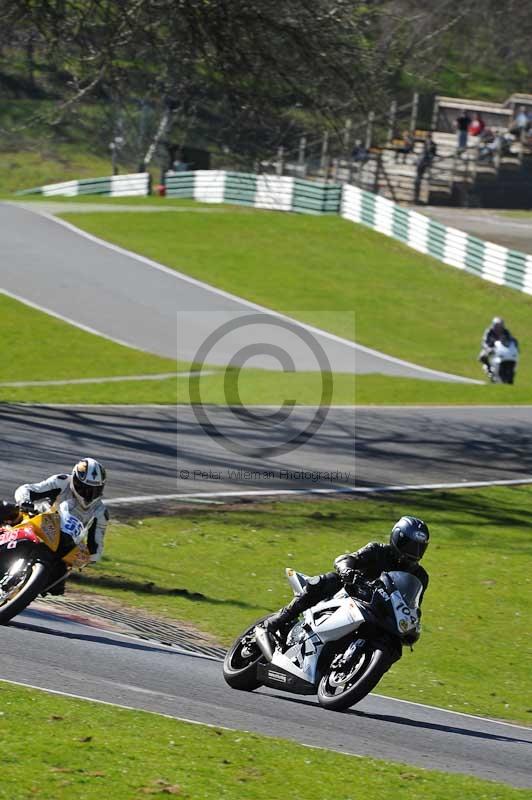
341	688
22	592
241	661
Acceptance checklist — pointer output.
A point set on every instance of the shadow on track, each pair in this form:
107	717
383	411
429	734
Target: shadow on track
414	723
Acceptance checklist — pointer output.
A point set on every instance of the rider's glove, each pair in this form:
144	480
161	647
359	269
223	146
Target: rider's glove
345	568
9	513
411	638
356	585
28	508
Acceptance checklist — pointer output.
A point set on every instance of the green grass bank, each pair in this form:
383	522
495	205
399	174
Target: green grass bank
86	750
405	304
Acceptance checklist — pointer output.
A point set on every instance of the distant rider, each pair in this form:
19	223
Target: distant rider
408	541
496	332
82	490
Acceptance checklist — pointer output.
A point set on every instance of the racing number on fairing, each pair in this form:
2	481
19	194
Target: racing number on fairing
73	527
9	538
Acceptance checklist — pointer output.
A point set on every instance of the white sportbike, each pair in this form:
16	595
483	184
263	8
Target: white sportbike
503	361
339	649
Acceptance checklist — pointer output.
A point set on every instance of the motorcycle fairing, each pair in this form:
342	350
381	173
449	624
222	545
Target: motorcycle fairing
78	557
302	658
404	595
45	527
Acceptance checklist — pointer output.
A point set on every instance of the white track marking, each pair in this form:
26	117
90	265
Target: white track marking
411	487
119	705
70	321
207	287
398	408
224	727
114	379
458	713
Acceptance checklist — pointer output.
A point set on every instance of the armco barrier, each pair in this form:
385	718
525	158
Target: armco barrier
136	184
450	245
276	192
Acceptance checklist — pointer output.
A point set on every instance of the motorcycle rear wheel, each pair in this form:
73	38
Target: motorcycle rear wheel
240	668
29	589
338	696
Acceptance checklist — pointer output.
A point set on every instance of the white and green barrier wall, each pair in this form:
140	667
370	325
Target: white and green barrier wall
276	192
133	185
282	193
450	245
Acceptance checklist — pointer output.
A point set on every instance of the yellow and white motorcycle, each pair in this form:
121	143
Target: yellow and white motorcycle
36	554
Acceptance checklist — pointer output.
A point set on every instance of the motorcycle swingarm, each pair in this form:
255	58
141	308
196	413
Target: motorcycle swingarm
279	678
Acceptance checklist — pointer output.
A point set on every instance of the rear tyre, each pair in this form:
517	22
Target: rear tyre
339	690
31	585
241	661
506	371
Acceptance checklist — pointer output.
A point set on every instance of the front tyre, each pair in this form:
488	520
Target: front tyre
241	661
22	592
342	687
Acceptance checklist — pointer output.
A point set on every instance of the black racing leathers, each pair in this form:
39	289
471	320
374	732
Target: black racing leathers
375	558
368	562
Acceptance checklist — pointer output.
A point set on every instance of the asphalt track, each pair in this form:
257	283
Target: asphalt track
162	450
49	651
127	298
486	223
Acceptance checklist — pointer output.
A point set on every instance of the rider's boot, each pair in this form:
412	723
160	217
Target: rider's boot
58	587
279	623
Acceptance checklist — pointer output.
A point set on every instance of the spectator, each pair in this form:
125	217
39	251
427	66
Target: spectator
425	160
521	122
427	156
406	147
359	152
490	142
477	125
462	124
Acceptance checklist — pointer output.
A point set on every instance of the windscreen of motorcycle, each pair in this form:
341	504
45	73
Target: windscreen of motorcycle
409	586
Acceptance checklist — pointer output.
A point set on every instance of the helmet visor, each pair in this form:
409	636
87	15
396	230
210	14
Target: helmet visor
414	548
88	492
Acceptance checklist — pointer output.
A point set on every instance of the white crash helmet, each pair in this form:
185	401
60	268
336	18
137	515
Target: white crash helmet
87	481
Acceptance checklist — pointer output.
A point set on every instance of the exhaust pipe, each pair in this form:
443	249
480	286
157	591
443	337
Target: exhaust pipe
263	641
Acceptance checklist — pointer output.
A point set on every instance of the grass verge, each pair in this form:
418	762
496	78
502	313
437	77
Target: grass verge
259	387
406	304
29	336
37	346
472	655
88	751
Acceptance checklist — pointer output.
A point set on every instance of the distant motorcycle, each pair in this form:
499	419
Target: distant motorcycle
503	361
339	650
33	554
